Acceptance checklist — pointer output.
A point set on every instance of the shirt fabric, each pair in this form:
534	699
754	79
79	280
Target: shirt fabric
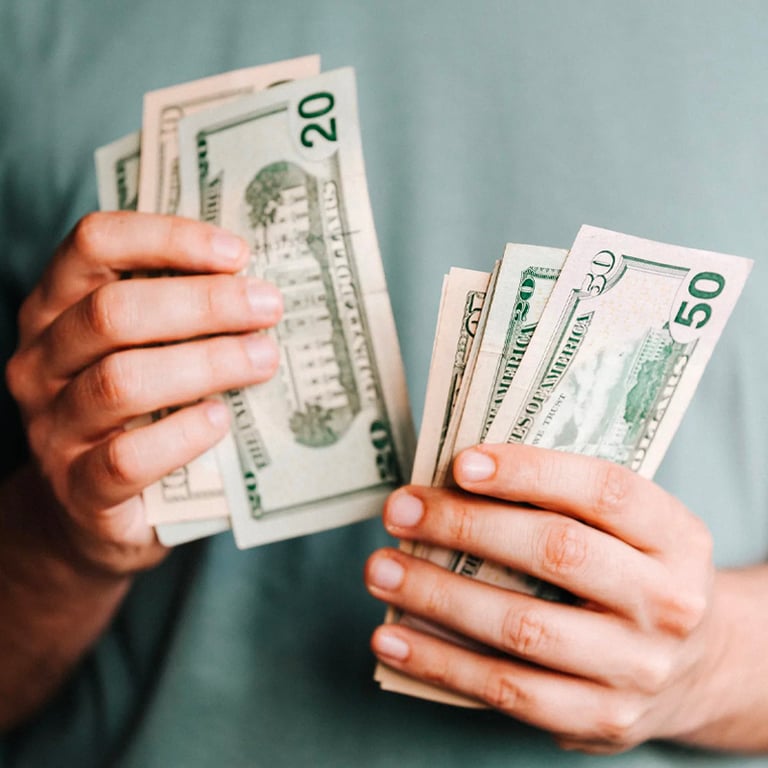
482	123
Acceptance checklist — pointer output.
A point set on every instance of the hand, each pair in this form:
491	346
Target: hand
617	669
96	351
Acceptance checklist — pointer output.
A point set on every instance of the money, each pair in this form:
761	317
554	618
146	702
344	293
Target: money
464	295
520	288
620	348
608	366
330	436
163	109
524	280
194	492
117	173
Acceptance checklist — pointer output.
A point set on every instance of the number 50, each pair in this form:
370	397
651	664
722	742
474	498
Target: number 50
705	285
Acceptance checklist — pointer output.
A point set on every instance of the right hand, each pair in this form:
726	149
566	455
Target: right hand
96	351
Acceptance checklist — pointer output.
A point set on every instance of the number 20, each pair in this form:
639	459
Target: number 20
310	112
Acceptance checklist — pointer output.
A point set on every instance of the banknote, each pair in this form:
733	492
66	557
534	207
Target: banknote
323	442
117	174
461	307
464	295
459	384
164	108
526	278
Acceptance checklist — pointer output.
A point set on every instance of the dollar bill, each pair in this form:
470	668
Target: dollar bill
117	174
464	295
164	108
330	436
527	276
458	320
459	383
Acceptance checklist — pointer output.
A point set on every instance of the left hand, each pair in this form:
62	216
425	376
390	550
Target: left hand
617	669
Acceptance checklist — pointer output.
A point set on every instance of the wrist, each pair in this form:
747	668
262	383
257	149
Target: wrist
724	705
94	549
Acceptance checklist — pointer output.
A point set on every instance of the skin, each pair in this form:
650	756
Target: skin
660	645
95	352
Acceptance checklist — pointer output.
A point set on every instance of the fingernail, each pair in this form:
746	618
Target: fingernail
227	247
404	510
474	466
261	351
217	413
386	573
263	298
390	645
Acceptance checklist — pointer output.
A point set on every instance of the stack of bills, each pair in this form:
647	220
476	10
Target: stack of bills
596	350
273	153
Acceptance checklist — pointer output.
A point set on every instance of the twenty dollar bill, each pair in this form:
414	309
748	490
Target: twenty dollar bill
326	440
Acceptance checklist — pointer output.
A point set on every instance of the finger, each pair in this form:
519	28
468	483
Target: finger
102	246
562	551
138	381
598	492
581	642
122	466
128	313
559	703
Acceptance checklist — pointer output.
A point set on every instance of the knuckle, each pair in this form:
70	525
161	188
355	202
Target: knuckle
38	436
652	672
438	671
122	462
438	600
219	357
611	488
220	297
618	724
192	433
460	522
562	548
176	234
681	611
88	234
112	382
16	376
523	633
105	312
504	693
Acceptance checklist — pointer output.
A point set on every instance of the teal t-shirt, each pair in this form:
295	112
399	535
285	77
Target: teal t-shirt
482	123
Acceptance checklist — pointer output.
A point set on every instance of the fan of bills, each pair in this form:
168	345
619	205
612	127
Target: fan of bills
596	350
273	153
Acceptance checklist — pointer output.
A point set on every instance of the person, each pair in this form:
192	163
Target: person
115	651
